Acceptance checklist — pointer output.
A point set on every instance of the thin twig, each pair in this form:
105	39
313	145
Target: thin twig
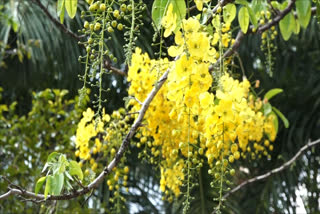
277	18
274	171
261	29
56	21
108	66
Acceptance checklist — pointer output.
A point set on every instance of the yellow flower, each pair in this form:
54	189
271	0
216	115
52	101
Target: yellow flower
199	3
177	50
191	25
206	99
169	21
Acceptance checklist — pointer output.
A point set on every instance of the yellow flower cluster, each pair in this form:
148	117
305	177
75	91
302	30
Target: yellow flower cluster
195	117
194	41
87	129
100	136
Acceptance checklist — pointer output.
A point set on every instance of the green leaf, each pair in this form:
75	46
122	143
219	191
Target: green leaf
257	6
60	6
267	108
159	8
75	169
282	117
286	26
71	6
276	5
296	29
52	156
303	12
273	92
39	184
229	13
242	2
47	189
61	9
283	5
252	16
63	163
57	183
243	17
275	121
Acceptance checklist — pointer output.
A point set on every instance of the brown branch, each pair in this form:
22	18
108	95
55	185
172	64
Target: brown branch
125	143
56	21
274	171
277	18
108	66
261	29
73	35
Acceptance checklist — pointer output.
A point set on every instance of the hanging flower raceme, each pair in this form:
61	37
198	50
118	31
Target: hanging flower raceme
194	116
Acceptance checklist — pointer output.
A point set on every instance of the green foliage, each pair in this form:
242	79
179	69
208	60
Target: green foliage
243	18
287	26
26	142
61	9
59	172
303	12
229	13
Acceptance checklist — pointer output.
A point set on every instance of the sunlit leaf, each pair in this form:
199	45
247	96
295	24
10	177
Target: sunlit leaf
243	17
282	117
75	169
273	92
229	13
71	7
39	184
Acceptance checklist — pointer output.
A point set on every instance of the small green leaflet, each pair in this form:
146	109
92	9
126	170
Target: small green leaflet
54	185
71	6
242	2
57	184
287	25
52	156
243	18
296	28
273	92
303	12
252	16
62	163
282	117
229	13
275	121
267	108
61	10
75	169
276	5
47	190
39	184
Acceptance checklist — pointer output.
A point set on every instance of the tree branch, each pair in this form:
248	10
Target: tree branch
56	22
108	66
112	164
277	19
261	29
274	171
